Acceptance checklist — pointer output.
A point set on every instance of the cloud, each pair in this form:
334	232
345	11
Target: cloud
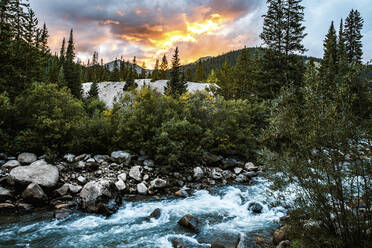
150	28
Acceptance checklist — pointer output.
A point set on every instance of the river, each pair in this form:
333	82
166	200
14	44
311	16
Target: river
223	213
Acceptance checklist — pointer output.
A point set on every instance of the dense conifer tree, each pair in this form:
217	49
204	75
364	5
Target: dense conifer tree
199	72
353	26
155	73
177	85
164	68
115	75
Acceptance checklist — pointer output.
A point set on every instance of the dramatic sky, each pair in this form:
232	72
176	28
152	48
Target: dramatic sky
150	28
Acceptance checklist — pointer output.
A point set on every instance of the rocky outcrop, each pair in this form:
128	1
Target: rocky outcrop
190	222
95	183
280	235
39	172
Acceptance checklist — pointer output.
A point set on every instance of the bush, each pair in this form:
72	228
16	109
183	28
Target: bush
51	119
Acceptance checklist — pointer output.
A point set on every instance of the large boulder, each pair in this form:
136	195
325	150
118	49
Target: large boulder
155	214
190	222
142	188
38	172
97	197
11	164
198	173
250	167
121	157
136	173
101	158
27	158
158	183
123	177
34	193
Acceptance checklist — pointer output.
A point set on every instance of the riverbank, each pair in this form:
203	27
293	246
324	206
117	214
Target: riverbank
98	183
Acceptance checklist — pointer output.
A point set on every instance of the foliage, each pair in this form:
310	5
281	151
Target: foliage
51	118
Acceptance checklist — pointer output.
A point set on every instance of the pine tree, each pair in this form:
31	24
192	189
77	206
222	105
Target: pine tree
294	29
273	29
143	71
72	75
328	67
155	72
225	81
189	74
243	74
199	72
62	53
177	85
353	27
115	75
93	92
61	77
164	68
342	62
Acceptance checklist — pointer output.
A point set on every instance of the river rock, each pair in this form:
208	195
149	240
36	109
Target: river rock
5	194
149	163
155	214
238	170
136	173
181	193
280	235
80	157
7	207
146	177
227	174
11	164
218	245
158	183
69	158
142	188
121	157
250	167
251	174
101	158
229	163
80	165
27	158
216	173
190	222
63	190
120	185
38	172
284	244
34	193
74	188
255	207
91	164
93	194
242	178
81	179
198	173
62	213
123	177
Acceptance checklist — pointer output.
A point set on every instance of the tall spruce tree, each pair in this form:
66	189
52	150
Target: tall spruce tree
115	75
155	72
62	52
353	27
342	61
164	68
177	85
93	92
70	70
328	67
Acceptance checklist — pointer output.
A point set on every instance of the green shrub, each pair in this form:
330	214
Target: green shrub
50	119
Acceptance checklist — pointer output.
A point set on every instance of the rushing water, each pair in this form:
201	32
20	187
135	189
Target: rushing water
223	213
